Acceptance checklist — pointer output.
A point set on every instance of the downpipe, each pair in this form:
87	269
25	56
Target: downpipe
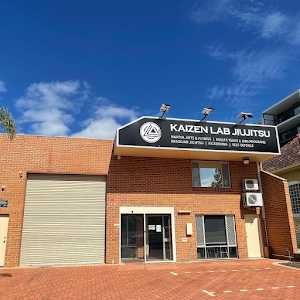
287	256
263	207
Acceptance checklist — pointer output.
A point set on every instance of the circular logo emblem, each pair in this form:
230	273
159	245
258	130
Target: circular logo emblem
150	132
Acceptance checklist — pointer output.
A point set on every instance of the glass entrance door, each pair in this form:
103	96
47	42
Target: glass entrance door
159	238
155	238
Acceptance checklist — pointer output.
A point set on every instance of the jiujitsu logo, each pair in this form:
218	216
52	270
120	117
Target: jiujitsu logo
150	132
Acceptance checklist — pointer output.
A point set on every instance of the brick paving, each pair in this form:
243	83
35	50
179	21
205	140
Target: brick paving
234	279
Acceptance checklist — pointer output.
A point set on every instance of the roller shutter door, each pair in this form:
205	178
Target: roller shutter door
64	220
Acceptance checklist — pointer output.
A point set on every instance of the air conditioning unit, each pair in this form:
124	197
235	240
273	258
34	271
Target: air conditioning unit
250	185
252	199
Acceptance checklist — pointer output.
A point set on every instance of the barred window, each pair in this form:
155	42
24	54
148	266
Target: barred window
211	174
216	236
295	197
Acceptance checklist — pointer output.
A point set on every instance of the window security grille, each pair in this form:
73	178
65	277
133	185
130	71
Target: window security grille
228	250
230	230
225	176
295	197
200	233
196	174
226	183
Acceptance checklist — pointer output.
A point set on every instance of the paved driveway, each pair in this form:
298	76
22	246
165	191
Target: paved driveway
235	279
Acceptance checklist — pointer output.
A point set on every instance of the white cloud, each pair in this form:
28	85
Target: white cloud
258	67
253	66
268	23
106	120
211	11
219	53
254	16
294	35
216	92
2	87
48	107
273	24
252	72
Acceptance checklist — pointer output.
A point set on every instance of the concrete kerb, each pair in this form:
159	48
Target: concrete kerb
281	265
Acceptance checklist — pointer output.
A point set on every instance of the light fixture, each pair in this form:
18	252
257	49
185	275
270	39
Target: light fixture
164	108
246	160
244	116
206	112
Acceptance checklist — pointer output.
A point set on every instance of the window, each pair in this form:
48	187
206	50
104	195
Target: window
216	237
215	232
211	174
295	197
128	235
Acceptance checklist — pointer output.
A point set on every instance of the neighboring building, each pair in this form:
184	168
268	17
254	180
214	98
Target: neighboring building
164	190
287	166
285	114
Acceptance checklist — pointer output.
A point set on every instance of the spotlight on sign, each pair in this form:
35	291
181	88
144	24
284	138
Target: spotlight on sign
164	108
244	116
206	112
246	160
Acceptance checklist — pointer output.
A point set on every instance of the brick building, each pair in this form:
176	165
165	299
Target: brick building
287	166
82	201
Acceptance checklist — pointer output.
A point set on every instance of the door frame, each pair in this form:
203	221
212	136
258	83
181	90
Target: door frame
163	233
144	210
259	233
5	216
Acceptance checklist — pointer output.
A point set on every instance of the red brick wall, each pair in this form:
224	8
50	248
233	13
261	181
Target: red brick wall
134	181
38	154
279	216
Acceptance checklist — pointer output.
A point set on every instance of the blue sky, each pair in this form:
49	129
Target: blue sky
83	68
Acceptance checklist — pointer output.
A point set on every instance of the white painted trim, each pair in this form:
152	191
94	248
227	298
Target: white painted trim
293	182
281	101
285	169
145	238
134	210
146	210
288	121
200	150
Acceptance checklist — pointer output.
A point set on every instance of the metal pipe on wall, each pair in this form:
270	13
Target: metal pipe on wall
263	207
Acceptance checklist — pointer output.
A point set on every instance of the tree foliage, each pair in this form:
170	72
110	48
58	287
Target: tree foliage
217	179
7	122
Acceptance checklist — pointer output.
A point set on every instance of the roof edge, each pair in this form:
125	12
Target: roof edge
281	101
273	175
63	137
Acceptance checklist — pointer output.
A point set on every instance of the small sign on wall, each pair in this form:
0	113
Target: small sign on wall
158	228
151	227
3	203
